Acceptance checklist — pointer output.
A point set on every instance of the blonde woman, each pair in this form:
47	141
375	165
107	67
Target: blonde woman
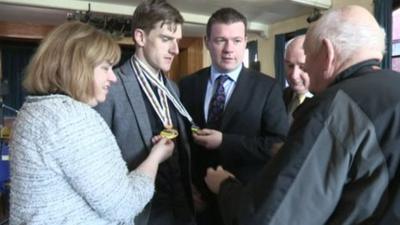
66	165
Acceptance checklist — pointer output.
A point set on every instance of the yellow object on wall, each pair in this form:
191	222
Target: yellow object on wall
5	133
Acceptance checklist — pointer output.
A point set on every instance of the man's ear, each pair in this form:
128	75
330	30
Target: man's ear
139	37
328	54
206	42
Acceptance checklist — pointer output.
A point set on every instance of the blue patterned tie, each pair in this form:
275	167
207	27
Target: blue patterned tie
217	103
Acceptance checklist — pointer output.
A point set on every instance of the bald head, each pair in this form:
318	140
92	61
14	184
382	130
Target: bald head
367	29
294	65
358	15
295	44
353	31
341	37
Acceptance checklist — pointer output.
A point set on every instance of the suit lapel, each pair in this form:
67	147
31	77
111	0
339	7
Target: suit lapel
200	88
136	101
239	95
171	88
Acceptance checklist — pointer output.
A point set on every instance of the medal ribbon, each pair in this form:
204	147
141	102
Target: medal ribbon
161	107
162	110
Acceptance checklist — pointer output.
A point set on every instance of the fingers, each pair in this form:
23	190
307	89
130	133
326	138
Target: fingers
162	149
209	139
159	139
200	139
167	141
211	170
204	131
220	170
156	139
214	178
202	135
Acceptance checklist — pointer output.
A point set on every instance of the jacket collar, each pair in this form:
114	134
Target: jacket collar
357	70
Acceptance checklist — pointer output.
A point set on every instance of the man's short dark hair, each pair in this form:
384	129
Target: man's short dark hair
225	16
150	12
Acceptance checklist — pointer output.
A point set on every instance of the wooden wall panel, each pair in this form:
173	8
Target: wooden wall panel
23	30
190	58
188	61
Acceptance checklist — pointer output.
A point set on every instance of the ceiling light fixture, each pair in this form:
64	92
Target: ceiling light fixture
117	26
315	15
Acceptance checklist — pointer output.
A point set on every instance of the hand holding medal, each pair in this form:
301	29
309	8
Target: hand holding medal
162	148
208	138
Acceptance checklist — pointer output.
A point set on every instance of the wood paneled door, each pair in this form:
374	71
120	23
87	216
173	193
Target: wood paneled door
189	60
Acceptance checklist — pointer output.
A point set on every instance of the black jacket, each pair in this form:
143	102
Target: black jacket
340	164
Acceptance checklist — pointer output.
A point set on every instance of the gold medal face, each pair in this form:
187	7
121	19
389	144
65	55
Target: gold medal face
169	133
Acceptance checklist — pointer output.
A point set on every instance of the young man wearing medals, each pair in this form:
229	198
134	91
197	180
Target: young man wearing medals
144	103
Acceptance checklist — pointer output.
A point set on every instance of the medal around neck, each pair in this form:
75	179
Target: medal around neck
160	103
169	133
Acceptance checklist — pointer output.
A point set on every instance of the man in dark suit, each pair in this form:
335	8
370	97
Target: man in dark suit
144	103
298	79
241	111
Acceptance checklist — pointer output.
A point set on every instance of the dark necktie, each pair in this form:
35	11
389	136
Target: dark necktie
217	103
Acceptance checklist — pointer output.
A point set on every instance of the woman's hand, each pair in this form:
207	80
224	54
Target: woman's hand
162	148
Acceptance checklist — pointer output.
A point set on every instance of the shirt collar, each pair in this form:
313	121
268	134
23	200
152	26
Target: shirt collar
233	75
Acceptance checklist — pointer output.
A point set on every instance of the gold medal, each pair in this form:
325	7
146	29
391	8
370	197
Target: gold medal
194	129
169	133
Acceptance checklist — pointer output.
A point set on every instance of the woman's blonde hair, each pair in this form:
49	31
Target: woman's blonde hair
65	61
